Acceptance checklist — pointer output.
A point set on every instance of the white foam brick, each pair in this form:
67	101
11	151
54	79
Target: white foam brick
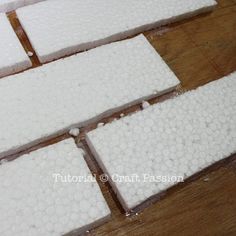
50	192
11	5
74	91
79	25
169	141
13	58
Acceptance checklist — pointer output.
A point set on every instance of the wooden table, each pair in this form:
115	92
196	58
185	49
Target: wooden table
198	50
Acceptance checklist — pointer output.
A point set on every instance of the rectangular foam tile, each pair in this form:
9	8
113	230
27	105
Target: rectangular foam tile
11	5
77	90
154	149
80	25
50	192
13	58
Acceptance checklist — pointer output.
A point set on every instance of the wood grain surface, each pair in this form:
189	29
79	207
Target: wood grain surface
198	50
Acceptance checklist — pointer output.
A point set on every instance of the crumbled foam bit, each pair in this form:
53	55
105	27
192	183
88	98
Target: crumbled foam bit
107	21
100	124
206	179
145	104
30	54
77	90
74	132
11	5
38	198
12	55
168	141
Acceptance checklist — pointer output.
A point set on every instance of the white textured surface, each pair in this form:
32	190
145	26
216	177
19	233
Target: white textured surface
33	203
11	5
178	137
67	93
79	25
13	58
